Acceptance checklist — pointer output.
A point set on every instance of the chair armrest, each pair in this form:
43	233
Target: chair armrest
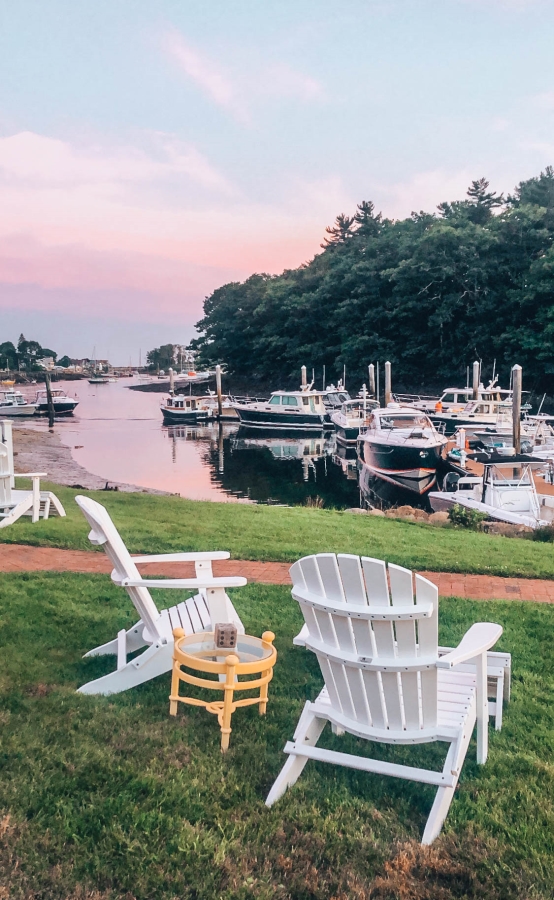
30	475
478	639
182	557
186	583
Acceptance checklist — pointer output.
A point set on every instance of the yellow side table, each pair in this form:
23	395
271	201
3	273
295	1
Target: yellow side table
197	652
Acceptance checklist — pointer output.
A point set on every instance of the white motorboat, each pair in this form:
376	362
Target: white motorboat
13	403
303	410
506	491
333	398
351	418
63	405
400	445
451	400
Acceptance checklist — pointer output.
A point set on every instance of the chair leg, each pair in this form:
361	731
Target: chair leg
444	795
308	731
56	504
482	710
133	641
499	702
157	660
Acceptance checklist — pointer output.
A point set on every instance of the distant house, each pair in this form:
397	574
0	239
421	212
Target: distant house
47	363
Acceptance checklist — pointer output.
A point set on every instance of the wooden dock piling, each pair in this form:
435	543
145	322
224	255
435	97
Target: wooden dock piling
516	406
388	383
218	389
476	368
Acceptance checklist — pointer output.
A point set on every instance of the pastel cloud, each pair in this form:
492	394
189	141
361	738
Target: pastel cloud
153	222
544	100
207	74
237	94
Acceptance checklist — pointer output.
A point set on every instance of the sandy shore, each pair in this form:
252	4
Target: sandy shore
43	451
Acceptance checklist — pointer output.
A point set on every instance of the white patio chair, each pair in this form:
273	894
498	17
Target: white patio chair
384	678
499	669
16	503
154	629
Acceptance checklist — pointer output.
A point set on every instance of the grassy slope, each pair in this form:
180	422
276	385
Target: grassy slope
154	524
110	798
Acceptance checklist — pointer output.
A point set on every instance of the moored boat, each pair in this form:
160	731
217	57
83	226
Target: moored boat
284	409
506	491
400	445
351	418
63	405
177	410
13	403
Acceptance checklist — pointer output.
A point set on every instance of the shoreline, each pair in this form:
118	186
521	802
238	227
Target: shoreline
43	451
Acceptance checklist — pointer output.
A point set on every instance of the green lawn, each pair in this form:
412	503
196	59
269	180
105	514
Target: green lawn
154	524
106	798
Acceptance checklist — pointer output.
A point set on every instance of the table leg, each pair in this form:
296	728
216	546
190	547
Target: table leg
231	662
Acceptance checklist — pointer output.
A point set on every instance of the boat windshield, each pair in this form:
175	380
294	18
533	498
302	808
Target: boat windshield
404	420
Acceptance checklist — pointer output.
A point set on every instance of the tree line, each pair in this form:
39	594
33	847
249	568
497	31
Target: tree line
26	355
431	293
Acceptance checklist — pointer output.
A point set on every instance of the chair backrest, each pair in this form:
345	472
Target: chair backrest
6	438
105	534
5	476
377	649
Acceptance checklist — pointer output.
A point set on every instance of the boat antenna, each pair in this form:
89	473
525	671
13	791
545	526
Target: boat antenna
540	407
493	371
323	382
467	376
344	376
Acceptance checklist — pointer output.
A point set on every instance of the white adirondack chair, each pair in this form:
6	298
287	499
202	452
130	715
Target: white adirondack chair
384	678
154	629
15	503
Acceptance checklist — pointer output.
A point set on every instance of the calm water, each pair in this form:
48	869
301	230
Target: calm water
118	434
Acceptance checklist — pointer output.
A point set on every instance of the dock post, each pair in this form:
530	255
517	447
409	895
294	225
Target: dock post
476	368
371	370
51	414
516	406
388	386
171	382
304	380
218	389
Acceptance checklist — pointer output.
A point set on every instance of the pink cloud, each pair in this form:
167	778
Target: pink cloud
207	74
77	219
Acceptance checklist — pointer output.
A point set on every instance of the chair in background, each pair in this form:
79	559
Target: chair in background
154	630
384	678
16	503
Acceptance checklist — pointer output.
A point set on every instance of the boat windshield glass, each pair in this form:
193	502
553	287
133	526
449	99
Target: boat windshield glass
404	420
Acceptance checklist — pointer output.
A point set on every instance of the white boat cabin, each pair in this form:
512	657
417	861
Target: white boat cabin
296	401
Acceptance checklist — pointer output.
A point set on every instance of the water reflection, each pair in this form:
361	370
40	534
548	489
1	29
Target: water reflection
264	467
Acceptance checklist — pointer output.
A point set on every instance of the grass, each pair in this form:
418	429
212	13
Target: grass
109	797
156	524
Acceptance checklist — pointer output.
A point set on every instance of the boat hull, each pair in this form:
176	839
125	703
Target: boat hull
16	410
347	434
412	468
61	407
183	417
260	418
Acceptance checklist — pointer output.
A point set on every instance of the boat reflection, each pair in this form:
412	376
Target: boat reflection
265	467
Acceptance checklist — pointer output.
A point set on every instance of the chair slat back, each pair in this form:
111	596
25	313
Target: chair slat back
105	534
398	701
6	438
5	476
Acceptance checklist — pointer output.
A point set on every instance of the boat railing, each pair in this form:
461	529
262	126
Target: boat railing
414	398
236	399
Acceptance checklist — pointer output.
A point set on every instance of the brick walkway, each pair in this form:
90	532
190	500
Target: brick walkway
22	558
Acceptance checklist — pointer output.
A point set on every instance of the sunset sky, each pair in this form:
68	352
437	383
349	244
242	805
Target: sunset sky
152	151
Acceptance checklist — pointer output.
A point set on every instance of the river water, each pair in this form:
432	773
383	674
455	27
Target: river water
118	434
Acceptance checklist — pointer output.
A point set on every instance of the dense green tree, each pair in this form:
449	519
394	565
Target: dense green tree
162	357
8	355
431	293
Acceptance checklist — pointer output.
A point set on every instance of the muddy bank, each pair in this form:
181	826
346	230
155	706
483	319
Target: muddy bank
43	451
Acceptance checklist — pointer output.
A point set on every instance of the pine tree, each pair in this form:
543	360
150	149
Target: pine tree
340	232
